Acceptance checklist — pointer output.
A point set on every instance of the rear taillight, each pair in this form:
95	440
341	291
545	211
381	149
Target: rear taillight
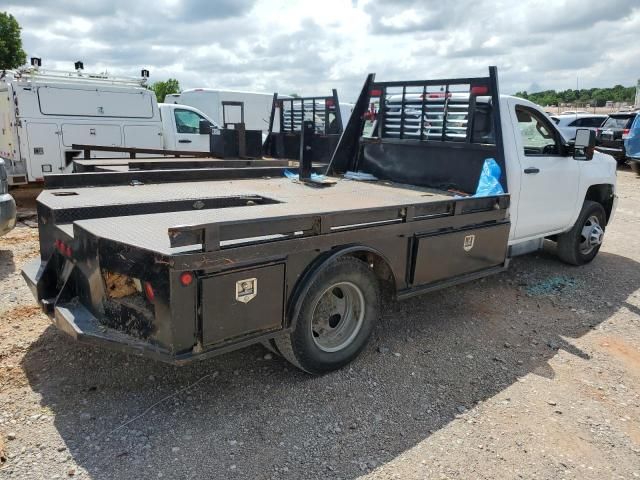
63	248
186	278
148	291
625	133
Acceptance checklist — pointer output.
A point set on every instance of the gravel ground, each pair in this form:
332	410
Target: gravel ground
534	373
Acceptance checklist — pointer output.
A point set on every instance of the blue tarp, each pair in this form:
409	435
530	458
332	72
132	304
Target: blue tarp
489	183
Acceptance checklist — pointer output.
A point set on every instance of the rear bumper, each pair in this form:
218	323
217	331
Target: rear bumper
7	213
79	323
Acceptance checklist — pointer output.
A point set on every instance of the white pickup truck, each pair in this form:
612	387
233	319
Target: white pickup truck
42	114
459	179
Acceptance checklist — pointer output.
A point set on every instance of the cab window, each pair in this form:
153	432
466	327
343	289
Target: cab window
187	121
538	137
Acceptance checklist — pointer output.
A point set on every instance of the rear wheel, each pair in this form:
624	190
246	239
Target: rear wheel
581	244
635	166
336	318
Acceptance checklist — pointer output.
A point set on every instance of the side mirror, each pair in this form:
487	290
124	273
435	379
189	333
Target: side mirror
204	127
584	144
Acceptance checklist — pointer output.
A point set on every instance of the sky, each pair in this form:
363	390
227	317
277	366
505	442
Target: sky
309	47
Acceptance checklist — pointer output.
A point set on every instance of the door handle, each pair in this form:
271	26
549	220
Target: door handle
184	141
532	170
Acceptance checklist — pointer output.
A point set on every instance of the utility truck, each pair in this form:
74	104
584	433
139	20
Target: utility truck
177	266
44	113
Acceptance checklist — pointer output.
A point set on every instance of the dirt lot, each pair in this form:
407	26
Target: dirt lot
534	373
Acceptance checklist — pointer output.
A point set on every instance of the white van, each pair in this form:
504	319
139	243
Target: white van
257	106
42	114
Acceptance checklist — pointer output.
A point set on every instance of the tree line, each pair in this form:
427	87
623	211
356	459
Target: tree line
594	96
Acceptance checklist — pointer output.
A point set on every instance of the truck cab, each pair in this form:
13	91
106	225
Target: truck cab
181	128
548	185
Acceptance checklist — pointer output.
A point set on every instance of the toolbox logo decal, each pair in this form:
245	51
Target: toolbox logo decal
469	240
246	290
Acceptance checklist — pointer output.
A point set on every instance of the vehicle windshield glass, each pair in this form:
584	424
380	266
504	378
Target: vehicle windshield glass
618	122
188	121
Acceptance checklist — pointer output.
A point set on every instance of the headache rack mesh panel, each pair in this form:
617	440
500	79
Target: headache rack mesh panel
320	110
427	111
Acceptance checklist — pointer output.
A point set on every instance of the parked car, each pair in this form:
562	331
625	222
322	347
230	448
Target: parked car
44	113
611	135
632	145
7	203
568	124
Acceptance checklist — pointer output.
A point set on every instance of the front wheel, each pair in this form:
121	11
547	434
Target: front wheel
336	317
581	244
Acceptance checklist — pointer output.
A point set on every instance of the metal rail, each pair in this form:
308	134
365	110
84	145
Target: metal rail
132	151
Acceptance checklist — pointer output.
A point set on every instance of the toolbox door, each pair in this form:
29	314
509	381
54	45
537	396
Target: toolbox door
242	303
447	255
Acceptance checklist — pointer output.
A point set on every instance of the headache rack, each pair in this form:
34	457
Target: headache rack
434	133
436	110
287	118
322	111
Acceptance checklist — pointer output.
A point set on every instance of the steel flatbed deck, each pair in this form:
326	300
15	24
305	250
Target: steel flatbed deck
126	219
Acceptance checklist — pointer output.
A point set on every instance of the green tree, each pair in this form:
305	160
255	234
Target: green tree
11	53
162	89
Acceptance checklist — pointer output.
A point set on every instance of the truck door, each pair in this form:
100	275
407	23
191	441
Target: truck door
44	156
187	128
549	178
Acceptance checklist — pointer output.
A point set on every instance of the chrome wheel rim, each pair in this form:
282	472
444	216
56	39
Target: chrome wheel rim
591	235
338	316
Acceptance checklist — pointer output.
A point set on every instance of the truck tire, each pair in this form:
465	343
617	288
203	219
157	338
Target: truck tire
336	318
635	166
580	245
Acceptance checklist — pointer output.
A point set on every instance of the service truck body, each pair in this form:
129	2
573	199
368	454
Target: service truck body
42	115
175	267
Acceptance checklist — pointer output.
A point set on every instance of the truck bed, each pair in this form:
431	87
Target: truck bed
285	198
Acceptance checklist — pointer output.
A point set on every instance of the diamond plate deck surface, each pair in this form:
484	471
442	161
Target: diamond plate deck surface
149	231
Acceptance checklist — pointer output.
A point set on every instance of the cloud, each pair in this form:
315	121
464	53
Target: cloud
309	47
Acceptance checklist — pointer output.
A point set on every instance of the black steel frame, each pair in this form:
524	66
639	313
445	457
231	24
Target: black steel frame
346	152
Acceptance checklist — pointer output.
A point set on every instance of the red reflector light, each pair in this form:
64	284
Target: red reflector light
148	290
479	90
328	102
186	278
437	95
376	93
369	116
